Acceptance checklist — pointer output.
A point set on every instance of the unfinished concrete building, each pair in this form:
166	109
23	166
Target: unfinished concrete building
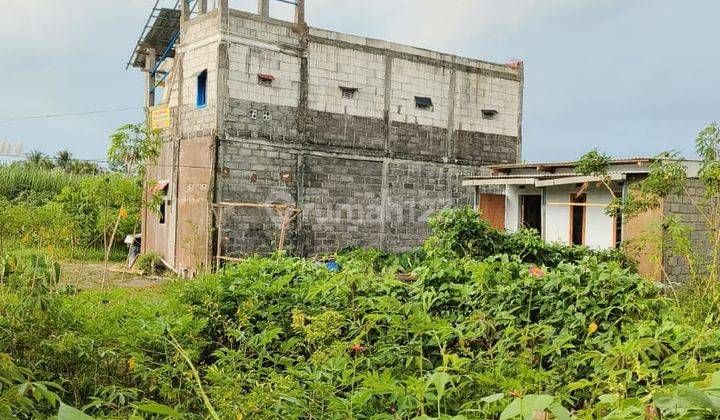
261	116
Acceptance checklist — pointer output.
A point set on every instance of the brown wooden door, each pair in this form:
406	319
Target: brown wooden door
191	247
492	209
642	233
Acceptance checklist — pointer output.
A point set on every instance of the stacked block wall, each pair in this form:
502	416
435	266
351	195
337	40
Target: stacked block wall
366	171
681	206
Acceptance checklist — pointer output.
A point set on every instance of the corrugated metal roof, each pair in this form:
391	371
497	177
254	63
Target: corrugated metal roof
159	36
539	176
566	164
541	180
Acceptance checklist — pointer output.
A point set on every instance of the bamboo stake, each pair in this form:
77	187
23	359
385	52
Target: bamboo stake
108	247
219	239
283	228
577	204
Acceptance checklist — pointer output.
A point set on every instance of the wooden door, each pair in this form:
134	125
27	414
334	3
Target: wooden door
191	247
642	234
492	209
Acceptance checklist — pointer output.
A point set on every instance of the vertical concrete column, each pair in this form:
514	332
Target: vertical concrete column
300	202
150	79
223	89
452	95
388	100
521	91
384	201
300	14
224	16
184	10
264	8
203	6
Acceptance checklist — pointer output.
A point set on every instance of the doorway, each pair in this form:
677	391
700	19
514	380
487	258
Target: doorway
577	219
531	212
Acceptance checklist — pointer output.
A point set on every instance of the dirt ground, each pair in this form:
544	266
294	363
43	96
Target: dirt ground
91	275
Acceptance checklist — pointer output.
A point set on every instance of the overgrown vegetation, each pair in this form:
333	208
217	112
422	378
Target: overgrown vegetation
695	240
48	208
73	207
477	324
443	332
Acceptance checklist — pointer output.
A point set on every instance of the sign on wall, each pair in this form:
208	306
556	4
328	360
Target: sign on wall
160	117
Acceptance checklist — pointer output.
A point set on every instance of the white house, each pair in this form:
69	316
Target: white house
569	208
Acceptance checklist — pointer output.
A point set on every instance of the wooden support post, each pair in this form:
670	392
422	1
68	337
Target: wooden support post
150	79
283	229
203	6
219	239
185	10
264	8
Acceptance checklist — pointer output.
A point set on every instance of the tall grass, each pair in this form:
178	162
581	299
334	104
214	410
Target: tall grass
18	179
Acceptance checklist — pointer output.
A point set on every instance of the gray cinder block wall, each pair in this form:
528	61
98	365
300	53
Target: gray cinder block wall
677	267
338	132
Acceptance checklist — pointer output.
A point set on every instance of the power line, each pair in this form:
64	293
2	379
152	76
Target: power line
26	155
48	157
73	114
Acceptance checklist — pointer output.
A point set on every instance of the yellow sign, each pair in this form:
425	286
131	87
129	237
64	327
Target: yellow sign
160	117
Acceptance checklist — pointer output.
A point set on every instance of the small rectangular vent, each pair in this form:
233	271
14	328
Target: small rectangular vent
348	92
424	103
489	114
265	79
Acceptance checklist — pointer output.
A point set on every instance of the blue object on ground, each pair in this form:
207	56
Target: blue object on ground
332	266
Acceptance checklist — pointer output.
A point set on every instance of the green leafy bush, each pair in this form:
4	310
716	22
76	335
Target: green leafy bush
150	263
468	327
42	208
107	353
461	232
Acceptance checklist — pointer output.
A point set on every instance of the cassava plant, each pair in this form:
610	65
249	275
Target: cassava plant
132	146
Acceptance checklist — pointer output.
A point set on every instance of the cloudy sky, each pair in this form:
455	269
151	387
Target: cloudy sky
630	77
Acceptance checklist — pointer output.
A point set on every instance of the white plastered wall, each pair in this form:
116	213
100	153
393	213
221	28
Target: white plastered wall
599	228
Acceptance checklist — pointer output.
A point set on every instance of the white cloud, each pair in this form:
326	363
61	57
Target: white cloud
55	27
436	23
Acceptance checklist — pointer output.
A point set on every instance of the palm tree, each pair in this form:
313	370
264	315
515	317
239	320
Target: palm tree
39	159
63	159
83	168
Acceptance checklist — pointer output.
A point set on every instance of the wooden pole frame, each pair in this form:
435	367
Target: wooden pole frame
578	204
286	212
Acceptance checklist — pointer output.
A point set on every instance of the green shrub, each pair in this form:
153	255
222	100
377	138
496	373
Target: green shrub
292	339
461	232
42	208
91	350
150	263
465	327
95	202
